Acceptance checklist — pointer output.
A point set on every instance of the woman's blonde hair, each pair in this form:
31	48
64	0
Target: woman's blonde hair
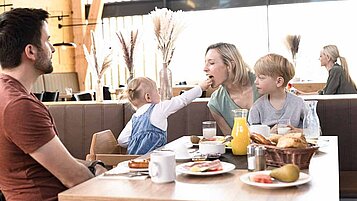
137	88
275	65
334	54
233	59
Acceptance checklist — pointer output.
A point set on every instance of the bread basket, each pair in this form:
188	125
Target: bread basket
278	157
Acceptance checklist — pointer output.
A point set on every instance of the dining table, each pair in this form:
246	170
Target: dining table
323	173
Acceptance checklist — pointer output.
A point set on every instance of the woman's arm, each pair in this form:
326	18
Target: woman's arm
226	130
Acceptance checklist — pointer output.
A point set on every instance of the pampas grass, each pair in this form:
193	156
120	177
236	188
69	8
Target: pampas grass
292	43
128	48
100	57
167	26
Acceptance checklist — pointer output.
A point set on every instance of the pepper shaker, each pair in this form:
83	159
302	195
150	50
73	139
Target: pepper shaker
251	157
260	163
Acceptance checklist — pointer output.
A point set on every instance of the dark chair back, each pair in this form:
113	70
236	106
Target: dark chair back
49	96
83	96
2	197
39	96
106	93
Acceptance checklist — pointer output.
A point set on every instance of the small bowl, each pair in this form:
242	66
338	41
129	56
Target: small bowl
211	147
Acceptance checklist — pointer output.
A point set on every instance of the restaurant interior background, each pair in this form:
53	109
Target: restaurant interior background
255	27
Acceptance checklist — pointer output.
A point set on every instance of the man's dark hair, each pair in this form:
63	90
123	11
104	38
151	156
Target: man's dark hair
18	28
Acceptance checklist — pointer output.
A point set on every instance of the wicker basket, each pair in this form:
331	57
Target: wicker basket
278	157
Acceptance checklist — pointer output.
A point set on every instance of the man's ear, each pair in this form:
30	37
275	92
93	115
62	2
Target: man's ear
279	81
30	52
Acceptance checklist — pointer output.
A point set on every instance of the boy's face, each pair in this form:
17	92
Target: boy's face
265	84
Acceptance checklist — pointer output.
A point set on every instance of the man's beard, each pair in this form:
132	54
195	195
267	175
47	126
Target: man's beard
42	63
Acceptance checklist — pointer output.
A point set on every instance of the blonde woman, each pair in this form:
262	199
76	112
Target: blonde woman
147	128
339	80
228	71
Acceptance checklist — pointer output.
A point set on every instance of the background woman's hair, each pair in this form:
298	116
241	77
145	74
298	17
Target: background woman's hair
334	54
275	65
233	59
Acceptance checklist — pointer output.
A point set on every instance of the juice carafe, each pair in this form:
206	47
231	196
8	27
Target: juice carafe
240	132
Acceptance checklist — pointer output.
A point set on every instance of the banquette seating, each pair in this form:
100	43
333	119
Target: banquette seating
77	122
56	82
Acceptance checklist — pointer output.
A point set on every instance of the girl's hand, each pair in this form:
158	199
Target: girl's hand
205	84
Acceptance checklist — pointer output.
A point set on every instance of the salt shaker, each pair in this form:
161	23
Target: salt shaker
251	157
260	163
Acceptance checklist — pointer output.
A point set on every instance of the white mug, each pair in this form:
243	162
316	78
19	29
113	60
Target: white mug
162	166
260	129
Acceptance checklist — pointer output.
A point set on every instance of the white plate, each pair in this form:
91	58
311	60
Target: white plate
320	143
188	158
124	165
227	167
303	178
188	144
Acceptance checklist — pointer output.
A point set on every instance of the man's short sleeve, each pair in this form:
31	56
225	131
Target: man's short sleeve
28	124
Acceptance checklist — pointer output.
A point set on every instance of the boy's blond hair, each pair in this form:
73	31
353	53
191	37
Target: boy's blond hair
274	65
137	88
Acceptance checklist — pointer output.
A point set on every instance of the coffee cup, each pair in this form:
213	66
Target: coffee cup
283	126
181	152
162	166
260	129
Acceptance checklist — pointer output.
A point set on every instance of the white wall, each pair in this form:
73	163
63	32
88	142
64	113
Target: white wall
319	24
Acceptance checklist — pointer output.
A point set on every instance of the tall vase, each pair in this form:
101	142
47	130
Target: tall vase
99	91
131	76
165	82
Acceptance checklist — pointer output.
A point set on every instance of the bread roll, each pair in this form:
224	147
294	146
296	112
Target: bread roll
291	142
139	163
275	138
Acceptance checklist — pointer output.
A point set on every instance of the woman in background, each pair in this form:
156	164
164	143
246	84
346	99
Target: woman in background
339	80
226	68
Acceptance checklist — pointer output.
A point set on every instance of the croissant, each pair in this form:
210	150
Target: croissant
260	139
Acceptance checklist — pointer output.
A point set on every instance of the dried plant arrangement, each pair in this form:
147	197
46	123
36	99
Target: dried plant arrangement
99	59
128	50
292	43
167	26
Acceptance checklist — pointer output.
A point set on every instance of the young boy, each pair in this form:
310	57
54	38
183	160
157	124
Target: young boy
273	72
147	128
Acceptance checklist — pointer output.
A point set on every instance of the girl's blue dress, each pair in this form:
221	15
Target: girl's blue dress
145	137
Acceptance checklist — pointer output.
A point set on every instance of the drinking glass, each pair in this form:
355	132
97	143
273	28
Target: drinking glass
283	126
68	90
208	129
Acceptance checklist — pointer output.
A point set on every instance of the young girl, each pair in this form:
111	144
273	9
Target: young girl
273	74
147	128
